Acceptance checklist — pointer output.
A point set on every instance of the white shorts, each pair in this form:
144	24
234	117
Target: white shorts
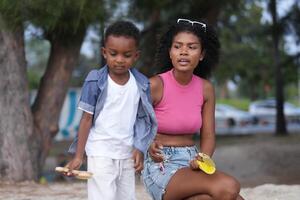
113	179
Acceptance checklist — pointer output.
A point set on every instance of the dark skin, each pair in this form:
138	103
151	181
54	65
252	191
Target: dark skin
120	53
189	182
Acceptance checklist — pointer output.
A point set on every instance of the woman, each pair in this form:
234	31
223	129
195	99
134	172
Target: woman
184	104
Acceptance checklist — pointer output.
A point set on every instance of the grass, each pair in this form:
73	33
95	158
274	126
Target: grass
243	104
238	103
296	102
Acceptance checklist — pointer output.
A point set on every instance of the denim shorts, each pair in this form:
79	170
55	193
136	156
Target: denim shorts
156	176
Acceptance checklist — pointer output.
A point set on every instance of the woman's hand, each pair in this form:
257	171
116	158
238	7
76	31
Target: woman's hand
194	164
155	152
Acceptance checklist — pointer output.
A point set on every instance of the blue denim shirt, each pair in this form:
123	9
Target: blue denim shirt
93	94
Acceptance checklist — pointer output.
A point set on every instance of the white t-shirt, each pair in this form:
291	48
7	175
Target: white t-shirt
112	134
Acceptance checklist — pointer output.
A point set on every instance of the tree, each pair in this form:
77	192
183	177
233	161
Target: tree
276	34
243	33
16	123
292	21
27	135
237	28
155	15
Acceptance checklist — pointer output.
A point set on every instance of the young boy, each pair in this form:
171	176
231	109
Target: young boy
118	122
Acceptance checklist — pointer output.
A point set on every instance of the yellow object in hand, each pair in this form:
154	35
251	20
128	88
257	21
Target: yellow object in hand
206	164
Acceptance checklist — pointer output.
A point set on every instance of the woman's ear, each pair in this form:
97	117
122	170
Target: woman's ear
202	55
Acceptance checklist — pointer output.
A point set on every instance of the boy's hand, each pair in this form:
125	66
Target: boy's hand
75	163
155	152
138	159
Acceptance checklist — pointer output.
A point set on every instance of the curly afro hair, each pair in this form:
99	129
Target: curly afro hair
123	28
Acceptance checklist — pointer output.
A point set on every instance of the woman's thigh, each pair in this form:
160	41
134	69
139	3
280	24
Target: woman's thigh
186	183
157	175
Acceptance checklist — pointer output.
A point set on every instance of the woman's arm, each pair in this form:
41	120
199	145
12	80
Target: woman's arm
156	88
207	136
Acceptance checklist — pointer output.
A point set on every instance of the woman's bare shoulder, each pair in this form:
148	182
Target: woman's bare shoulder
208	89
156	85
156	82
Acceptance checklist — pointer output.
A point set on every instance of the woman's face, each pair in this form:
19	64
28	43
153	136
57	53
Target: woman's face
186	51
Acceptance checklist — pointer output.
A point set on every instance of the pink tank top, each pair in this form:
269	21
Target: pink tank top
179	111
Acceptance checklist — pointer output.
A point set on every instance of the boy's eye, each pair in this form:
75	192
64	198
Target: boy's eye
127	55
113	53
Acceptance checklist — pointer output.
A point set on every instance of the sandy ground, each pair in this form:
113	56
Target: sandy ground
267	167
260	159
77	191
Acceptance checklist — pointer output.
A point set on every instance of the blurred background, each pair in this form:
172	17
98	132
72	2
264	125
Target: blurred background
56	43
244	80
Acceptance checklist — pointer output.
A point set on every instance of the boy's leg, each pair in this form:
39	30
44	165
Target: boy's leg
103	183
126	180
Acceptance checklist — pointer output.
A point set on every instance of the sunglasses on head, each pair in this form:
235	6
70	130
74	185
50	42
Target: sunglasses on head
196	23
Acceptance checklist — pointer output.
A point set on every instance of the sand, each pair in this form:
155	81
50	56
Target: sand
77	191
267	167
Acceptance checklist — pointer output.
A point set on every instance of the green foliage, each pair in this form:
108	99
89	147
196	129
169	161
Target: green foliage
247	53
237	38
246	57
155	15
292	93
12	10
37	53
85	65
167	10
291	21
64	15
243	103
59	16
33	78
295	101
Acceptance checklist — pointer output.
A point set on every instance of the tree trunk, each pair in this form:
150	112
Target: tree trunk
16	125
224	92
148	35
280	119
212	14
53	88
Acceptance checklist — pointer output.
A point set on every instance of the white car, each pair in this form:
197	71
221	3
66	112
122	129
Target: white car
228	116
265	111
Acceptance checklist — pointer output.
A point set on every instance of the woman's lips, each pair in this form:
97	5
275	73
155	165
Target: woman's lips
183	61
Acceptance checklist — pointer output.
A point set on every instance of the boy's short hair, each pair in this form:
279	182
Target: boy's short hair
123	28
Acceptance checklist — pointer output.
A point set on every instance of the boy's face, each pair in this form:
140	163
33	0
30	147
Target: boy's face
120	53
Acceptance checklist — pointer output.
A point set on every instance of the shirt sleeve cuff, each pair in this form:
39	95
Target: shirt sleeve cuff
86	107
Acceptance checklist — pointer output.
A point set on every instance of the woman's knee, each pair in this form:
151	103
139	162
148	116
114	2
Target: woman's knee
228	189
